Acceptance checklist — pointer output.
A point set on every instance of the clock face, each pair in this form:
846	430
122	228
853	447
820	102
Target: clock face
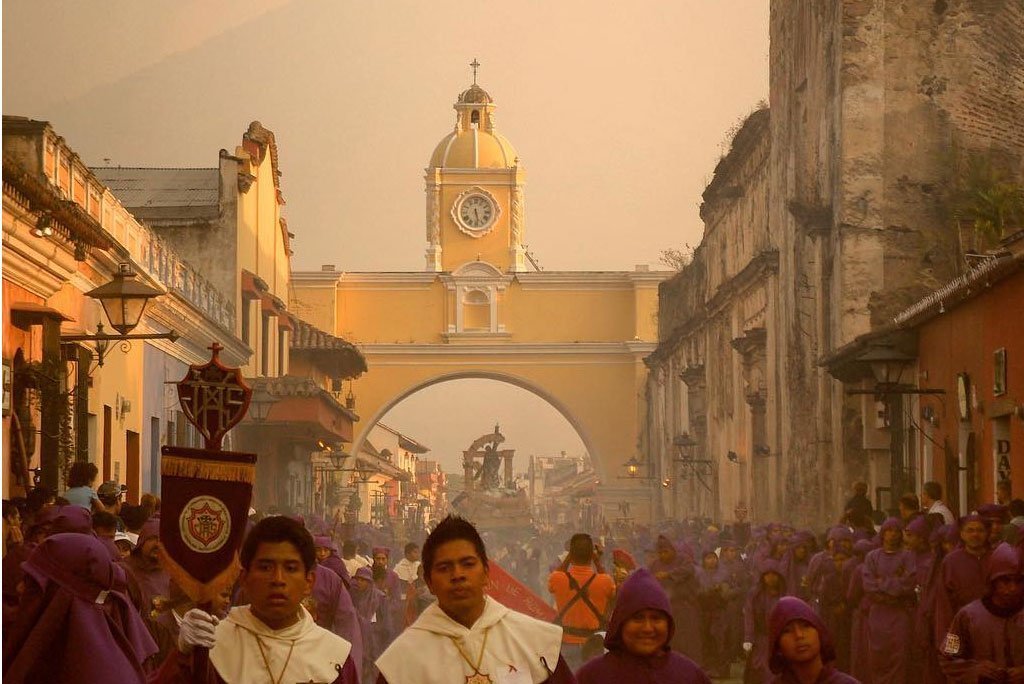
476	211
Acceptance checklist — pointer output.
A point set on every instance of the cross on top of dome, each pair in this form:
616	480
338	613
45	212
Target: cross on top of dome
475	94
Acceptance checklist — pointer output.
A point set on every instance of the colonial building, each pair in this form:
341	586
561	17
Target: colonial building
105	400
227	222
482	309
878	114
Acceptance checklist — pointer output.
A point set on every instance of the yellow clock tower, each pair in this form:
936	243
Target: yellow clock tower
474	187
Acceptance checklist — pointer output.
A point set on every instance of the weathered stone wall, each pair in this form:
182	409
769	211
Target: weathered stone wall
871	103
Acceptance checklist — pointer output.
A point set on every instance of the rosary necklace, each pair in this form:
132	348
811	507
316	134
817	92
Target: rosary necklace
477	677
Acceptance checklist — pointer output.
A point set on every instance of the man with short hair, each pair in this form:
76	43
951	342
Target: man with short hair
348	556
962	573
104	524
467	636
985	643
582	596
931	501
273	639
110	494
859	505
406	568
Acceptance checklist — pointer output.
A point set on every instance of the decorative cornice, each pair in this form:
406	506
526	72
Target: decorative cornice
502	349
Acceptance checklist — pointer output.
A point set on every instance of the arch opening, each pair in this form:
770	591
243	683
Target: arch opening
514	431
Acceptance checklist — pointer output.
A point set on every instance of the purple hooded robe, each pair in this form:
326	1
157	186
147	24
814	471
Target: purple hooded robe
682	588
759	605
982	632
889	584
859	605
145	580
76	624
788	609
640	591
334	611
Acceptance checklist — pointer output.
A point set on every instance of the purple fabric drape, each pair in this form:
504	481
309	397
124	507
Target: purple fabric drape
76	624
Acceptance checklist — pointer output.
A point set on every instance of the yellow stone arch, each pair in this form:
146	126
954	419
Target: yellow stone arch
577	339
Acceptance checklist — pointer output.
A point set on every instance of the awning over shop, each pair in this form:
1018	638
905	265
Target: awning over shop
304	410
335	357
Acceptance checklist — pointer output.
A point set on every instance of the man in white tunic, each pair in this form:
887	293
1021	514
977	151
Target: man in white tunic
273	639
466	636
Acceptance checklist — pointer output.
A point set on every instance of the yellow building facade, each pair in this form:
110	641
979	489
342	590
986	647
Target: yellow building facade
480	309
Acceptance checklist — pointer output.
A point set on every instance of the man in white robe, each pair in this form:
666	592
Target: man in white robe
273	639
466	636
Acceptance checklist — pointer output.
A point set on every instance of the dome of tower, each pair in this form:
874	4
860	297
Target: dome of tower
474	149
475	95
474	144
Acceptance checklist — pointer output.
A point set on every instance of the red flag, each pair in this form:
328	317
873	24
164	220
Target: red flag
510	592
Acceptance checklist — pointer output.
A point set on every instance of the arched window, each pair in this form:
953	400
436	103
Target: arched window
474	118
476	310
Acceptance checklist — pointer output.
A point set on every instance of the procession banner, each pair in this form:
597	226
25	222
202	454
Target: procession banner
510	592
206	492
204	510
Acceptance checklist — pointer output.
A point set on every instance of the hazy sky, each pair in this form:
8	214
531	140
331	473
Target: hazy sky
618	112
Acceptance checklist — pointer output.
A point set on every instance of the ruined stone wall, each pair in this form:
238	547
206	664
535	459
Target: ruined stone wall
871	103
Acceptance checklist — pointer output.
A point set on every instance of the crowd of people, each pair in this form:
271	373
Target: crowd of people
916	597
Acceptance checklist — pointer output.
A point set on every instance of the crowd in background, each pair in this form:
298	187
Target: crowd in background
915	596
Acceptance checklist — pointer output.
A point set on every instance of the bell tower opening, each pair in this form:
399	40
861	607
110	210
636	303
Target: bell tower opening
474	118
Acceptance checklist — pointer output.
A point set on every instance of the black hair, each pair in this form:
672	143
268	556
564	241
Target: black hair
104	519
910	500
9	508
39	497
1016	508
275	529
134	517
82	474
451	528
933	490
348	546
581	548
410	546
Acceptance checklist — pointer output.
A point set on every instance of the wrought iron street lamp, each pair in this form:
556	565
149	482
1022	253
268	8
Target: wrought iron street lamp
699	467
124	300
260	404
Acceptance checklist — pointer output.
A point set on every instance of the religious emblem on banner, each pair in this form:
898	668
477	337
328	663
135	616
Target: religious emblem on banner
206	492
205	524
214	398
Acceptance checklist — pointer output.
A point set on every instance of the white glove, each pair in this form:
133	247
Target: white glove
747	647
196	629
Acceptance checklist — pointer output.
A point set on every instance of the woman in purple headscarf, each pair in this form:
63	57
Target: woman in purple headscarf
889	583
770	587
801	646
638	637
675	571
76	624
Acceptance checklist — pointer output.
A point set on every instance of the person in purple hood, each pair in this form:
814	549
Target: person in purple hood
674	568
147	580
889	586
638	640
985	643
771	586
801	646
76	624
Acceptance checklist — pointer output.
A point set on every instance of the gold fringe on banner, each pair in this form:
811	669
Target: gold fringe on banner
198	591
201	469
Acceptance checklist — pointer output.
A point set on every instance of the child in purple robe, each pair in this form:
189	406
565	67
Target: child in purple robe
771	586
985	642
858	603
638	638
801	646
76	624
713	597
889	584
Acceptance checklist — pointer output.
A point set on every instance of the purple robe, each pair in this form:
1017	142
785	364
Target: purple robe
788	609
983	634
682	589
334	611
889	583
374	625
755	624
146	581
961	580
76	625
713	598
859	604
640	591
